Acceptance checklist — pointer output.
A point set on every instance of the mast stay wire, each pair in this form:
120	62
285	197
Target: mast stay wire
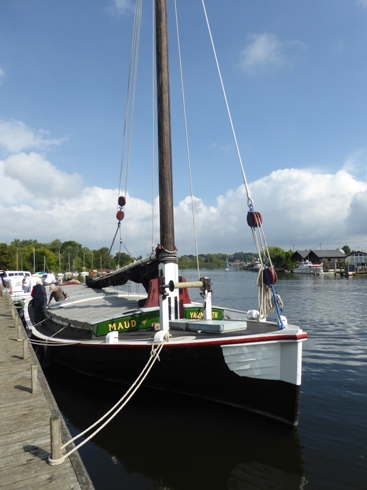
187	140
153	120
129	112
266	287
250	201
259	239
130	94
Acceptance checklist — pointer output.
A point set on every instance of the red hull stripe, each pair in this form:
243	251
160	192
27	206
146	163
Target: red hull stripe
196	343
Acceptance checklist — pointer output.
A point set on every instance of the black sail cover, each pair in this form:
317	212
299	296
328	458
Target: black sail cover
138	272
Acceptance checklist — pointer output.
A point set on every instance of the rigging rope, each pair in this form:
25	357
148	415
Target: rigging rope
250	202
257	230
187	141
130	94
153	120
137	24
268	299
129	111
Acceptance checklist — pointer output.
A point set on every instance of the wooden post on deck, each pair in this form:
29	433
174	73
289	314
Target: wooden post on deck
55	426
34	378
18	327
25	348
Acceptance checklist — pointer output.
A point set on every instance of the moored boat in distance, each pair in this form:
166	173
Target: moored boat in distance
307	267
48	278
19	284
235	357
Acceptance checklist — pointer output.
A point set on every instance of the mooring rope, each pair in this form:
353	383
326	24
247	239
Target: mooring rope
154	356
53	343
57	343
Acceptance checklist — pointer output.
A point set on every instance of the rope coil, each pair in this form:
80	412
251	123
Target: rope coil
268	299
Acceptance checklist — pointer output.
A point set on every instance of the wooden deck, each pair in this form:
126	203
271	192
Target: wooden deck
25	443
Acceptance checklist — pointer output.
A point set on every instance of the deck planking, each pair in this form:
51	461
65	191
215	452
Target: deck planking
25	419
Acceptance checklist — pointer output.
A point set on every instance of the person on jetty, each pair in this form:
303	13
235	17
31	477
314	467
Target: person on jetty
39	300
26	284
2	282
57	293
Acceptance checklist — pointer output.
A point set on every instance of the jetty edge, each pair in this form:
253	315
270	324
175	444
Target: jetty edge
27	406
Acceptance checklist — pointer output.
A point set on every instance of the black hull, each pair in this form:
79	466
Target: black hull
198	372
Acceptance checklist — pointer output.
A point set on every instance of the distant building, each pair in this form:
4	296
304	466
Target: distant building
328	257
356	259
300	255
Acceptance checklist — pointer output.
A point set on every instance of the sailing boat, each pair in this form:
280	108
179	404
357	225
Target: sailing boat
228	356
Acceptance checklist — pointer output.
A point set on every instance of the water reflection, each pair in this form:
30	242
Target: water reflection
160	441
171	443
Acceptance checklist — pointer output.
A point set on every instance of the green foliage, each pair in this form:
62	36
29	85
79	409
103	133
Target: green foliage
214	261
55	246
245	257
70	256
121	259
280	258
5	256
45	260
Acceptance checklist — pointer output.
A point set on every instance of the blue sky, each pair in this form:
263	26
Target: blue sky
295	75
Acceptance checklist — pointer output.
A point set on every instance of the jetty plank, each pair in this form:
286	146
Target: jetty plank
25	418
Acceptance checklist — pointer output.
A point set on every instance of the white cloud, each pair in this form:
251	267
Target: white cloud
121	7
2	75
263	50
31	173
362	3
356	222
15	136
267	52
300	208
356	164
305	208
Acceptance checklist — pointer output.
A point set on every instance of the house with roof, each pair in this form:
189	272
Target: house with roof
329	258
356	261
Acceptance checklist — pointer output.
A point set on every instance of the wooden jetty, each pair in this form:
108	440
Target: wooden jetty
26	409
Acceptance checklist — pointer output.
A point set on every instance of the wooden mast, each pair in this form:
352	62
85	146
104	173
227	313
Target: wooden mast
167	237
168	263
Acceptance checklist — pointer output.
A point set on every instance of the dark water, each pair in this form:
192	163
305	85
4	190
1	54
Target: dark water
163	442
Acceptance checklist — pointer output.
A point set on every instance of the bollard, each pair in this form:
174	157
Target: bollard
25	348
55	426
19	327
34	378
15	316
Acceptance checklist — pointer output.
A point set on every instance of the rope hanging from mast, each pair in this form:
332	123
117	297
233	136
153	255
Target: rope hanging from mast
128	122
268	299
250	202
153	122
130	95
187	141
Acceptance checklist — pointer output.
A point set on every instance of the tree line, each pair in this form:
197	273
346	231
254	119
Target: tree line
57	256
71	256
